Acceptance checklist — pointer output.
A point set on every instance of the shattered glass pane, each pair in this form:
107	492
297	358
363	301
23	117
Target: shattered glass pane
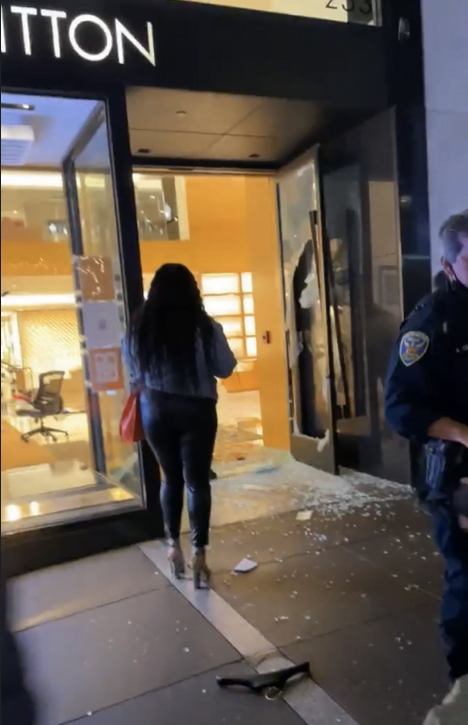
344	230
304	323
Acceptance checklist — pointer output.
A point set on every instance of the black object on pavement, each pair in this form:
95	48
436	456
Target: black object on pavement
273	681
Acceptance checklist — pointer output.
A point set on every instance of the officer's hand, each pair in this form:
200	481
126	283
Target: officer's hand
462	493
463	439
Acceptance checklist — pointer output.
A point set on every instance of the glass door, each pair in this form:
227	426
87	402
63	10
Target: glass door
307	316
101	306
362	247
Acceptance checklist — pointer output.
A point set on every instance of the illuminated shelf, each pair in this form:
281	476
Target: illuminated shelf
229	299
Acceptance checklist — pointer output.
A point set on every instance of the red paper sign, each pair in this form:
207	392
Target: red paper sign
106	369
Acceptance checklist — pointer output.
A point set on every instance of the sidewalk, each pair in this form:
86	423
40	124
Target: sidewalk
354	589
109	641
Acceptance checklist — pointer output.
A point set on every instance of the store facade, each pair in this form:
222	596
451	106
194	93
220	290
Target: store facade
330	136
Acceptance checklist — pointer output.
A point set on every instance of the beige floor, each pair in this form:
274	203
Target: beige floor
240	427
44	482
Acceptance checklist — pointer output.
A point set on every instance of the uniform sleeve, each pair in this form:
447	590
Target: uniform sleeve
415	378
223	361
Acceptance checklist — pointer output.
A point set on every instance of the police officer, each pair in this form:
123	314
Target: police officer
426	401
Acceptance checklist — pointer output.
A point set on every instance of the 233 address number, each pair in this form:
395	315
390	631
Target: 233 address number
350	6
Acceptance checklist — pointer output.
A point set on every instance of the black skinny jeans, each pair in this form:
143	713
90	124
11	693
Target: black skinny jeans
181	431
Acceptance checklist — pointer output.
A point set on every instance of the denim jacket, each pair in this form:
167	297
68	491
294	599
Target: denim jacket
221	365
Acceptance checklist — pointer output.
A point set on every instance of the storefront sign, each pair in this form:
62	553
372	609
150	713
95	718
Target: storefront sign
87	36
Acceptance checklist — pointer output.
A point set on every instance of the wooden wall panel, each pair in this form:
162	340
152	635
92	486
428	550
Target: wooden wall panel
268	298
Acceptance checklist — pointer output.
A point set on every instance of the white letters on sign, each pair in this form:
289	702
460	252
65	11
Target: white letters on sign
114	37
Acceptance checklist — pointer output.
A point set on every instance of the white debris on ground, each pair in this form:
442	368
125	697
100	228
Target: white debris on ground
304	515
275	483
245	566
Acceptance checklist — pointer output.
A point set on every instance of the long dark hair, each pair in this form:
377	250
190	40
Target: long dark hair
168	329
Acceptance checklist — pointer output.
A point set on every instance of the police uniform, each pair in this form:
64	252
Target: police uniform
428	380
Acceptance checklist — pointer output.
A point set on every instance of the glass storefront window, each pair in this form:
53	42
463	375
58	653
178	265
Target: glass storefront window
161	207
33	205
343	11
63	319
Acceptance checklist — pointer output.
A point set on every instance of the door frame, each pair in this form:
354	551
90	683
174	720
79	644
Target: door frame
302	447
344	160
113	113
92	126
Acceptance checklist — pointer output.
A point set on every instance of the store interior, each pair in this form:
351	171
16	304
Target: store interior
221	225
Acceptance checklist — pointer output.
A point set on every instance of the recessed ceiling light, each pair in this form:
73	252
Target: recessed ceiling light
18	107
181	113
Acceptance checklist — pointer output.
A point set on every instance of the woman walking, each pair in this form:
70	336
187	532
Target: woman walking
175	352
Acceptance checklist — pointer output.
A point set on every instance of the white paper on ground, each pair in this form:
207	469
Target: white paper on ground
245	566
304	516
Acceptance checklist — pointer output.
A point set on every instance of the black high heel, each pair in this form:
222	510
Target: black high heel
176	561
201	570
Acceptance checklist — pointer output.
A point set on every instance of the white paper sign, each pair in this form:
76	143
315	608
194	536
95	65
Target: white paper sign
106	369
101	324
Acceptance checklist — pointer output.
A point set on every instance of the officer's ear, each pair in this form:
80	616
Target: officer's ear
448	269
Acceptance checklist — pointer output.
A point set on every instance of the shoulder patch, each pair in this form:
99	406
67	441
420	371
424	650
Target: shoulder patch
413	347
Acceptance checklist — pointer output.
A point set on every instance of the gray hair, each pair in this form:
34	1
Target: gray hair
450	235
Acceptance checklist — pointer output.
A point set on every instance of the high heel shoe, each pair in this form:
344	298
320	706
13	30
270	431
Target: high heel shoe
200	569
176	561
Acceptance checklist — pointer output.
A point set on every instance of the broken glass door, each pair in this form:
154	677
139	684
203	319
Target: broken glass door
306	311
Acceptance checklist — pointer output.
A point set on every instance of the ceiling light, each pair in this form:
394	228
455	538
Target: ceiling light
181	113
12	512
35	508
22	301
18	107
32	180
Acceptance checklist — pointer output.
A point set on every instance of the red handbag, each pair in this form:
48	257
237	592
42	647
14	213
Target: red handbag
131	424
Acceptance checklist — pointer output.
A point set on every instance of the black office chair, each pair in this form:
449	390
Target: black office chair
47	401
